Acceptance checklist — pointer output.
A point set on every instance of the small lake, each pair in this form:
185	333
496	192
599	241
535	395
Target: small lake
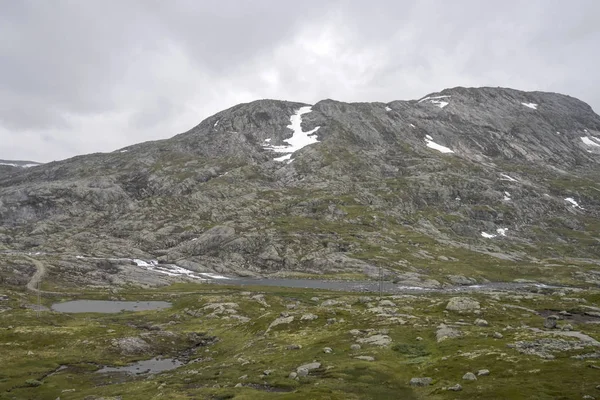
153	366
108	306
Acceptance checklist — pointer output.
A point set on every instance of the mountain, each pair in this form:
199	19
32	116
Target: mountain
10	165
487	183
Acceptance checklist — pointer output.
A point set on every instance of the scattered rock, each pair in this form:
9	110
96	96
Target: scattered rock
327	350
355	347
315	299
376	340
267	372
293	375
463	304
294	347
331	321
455	388
365	358
239	385
420	381
329	303
419	338
483	372
469	376
386	303
481	322
309	317
498	335
545	347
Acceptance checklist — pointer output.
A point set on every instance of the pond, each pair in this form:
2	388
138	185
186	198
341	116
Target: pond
108	306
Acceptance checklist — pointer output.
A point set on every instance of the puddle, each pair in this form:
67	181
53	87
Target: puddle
152	366
108	306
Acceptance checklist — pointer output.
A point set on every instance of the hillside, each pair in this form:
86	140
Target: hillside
483	183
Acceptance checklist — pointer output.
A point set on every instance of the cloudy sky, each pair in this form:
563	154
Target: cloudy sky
87	76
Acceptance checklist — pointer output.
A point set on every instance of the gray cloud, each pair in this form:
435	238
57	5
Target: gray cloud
90	76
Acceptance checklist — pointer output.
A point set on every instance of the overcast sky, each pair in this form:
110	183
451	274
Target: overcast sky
87	76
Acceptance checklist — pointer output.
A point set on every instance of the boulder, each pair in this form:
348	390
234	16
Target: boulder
305	369
445	332
469	376
376	340
463	304
280	321
550	322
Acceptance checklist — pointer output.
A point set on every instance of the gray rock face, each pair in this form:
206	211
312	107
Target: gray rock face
215	197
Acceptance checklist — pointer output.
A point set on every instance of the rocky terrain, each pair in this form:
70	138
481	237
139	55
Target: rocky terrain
480	208
220	342
473	183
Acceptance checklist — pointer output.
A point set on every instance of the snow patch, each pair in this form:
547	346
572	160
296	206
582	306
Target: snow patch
268	140
435	100
506	196
531	105
212	275
216	123
590	141
502	231
574	203
412	126
433	145
20	165
283	158
388	109
432	98
299	139
507	178
488	235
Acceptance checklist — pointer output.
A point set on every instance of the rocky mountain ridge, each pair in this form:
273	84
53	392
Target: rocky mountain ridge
491	183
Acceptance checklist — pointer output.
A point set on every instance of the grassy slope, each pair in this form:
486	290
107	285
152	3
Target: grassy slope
84	340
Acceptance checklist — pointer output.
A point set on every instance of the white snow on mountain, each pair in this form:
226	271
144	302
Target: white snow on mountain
574	203
433	145
531	105
590	141
507	178
299	139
